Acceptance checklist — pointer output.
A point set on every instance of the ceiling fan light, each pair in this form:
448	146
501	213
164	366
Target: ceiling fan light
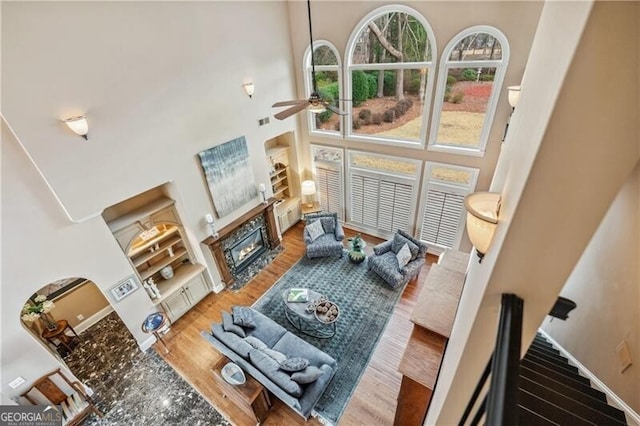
316	109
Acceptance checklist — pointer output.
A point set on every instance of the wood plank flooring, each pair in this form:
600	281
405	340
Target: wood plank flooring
373	401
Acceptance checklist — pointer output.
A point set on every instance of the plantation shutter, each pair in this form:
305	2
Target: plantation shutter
394	206
329	187
364	200
442	215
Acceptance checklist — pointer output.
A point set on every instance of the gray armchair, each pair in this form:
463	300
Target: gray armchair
384	262
330	242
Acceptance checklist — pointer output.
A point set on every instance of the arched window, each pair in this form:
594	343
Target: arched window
389	61
328	80
470	77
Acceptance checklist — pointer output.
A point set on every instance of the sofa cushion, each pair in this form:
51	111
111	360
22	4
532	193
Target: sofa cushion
256	343
270	368
228	325
306	376
267	330
403	256
294	364
399	241
315	230
243	316
294	346
277	356
232	340
328	224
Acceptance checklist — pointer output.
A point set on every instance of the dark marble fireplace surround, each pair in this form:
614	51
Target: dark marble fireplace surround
260	219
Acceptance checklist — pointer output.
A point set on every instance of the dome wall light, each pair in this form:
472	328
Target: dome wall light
249	88
78	125
482	219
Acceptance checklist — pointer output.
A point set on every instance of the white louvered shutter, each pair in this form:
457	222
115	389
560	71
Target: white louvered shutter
394	206
442	216
329	188
364	200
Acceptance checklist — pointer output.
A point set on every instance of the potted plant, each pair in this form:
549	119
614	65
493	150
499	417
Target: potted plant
356	249
39	309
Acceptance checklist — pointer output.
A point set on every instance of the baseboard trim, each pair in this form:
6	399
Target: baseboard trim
147	343
597	383
88	322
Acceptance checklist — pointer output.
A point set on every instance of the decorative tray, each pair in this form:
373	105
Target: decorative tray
233	374
327	312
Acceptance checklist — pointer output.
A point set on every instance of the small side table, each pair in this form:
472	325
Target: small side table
309	209
251	397
59	333
153	324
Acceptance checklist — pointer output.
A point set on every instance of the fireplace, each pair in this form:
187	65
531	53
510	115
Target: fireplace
247	249
241	243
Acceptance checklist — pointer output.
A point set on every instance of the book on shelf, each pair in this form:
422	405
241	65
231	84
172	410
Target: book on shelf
298	295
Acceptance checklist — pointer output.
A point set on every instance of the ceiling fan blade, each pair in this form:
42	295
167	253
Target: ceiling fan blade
336	110
289	112
287	103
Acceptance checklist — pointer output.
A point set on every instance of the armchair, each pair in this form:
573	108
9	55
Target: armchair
56	389
329	242
384	261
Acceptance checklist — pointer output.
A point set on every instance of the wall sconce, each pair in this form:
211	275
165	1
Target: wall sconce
211	225
262	190
308	189
79	125
482	219
514	97
249	88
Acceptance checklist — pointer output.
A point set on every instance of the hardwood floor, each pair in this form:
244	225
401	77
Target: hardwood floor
373	401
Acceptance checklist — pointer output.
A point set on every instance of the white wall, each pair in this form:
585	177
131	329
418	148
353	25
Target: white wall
159	82
606	287
568	152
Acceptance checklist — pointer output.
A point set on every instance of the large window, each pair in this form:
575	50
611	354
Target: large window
443	213
469	82
329	178
328	78
389	77
382	192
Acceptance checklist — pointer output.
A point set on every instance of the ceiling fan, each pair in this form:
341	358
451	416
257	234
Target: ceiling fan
314	103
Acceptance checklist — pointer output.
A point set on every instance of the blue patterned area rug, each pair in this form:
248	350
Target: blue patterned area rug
366	304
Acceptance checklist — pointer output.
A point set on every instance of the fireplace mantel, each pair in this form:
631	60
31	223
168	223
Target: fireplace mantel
215	243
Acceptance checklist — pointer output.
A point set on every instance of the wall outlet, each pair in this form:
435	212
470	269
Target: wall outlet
80	317
16	382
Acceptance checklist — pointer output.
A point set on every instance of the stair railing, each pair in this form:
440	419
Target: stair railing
501	399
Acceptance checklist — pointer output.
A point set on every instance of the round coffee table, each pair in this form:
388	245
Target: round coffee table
306	322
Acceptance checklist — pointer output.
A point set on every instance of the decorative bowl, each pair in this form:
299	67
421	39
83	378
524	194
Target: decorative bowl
327	312
233	374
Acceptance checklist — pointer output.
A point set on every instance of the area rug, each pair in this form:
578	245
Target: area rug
366	304
133	387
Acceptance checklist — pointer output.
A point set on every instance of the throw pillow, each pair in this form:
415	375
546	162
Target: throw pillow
243	316
294	364
308	375
328	224
315	230
403	256
256	343
229	326
399	241
277	356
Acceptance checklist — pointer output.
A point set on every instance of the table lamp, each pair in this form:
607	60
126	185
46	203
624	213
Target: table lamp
308	191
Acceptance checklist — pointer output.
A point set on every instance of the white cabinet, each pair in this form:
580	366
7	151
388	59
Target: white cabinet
185	297
288	213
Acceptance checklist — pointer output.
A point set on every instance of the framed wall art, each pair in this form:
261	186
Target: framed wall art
124	288
229	175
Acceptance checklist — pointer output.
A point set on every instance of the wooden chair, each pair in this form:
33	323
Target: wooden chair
75	403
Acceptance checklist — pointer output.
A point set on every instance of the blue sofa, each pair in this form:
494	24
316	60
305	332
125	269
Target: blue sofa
385	263
301	398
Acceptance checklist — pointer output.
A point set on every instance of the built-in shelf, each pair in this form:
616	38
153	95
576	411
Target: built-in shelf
182	275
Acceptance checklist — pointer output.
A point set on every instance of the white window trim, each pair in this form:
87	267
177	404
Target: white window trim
445	65
452	187
413	180
430	66
339	165
308	85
